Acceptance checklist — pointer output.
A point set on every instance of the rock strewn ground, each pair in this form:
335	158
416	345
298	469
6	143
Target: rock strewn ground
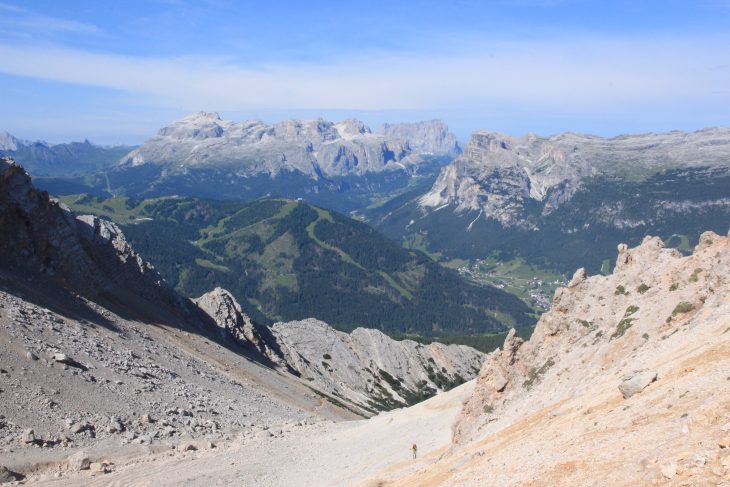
74	375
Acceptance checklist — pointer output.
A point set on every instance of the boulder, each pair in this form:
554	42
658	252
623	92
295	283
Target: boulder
115	425
62	358
99	467
636	382
28	436
79	427
78	461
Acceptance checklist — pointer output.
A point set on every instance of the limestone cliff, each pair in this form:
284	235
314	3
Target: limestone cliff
86	254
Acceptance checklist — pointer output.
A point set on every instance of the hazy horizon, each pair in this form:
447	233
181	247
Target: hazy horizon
117	73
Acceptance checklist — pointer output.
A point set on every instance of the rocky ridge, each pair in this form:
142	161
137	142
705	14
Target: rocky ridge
502	177
365	369
86	254
624	382
311	147
369	369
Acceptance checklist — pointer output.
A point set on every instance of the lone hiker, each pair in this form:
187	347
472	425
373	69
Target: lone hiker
414	448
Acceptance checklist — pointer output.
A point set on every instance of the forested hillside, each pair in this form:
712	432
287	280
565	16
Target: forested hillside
287	260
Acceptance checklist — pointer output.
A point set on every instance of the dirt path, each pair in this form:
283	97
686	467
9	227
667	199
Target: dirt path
327	454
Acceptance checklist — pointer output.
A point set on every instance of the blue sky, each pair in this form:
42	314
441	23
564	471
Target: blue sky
114	71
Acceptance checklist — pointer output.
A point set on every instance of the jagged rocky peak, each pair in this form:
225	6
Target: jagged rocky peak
351	128
234	324
311	147
10	143
619	331
432	136
498	174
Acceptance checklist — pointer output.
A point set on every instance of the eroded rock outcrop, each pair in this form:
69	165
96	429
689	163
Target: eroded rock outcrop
596	326
366	370
220	305
624	382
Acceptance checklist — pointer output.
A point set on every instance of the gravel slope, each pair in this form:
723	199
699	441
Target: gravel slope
324	454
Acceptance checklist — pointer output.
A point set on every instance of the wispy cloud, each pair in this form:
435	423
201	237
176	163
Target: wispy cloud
18	21
578	75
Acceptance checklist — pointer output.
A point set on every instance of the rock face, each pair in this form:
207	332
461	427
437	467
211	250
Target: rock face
599	320
86	253
502	176
626	369
311	147
220	305
234	324
370	370
429	137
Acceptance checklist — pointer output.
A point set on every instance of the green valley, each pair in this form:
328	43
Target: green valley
287	260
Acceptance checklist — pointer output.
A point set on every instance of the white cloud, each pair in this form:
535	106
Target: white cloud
584	74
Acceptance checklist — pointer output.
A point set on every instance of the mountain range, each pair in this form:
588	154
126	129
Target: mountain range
564	200
67	160
314	148
342	165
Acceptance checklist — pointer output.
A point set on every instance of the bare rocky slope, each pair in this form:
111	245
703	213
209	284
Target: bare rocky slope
624	382
311	147
97	352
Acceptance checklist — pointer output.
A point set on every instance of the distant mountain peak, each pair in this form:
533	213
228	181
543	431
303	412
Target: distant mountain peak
203	115
10	142
310	147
